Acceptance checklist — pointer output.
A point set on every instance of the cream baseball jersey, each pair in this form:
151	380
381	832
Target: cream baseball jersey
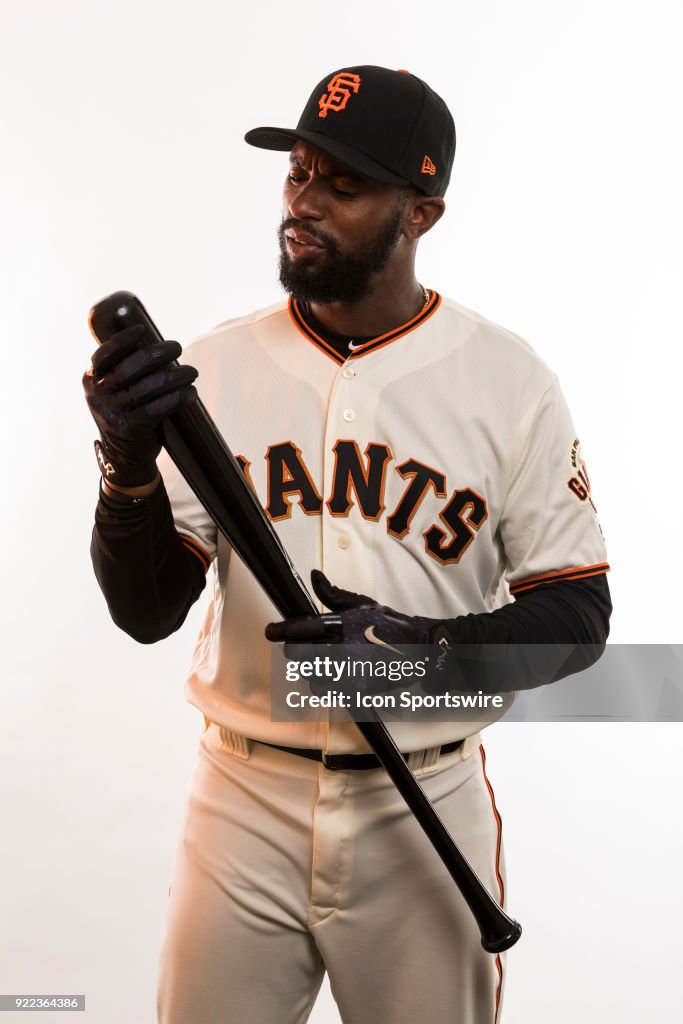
436	469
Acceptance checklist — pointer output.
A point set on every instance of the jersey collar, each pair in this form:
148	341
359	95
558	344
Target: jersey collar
373	343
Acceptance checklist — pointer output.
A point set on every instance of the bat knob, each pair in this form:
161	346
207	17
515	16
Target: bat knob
499	943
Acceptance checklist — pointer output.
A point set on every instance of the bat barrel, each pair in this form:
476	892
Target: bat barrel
196	446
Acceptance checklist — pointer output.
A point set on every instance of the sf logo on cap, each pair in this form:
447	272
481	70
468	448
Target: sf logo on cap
341	88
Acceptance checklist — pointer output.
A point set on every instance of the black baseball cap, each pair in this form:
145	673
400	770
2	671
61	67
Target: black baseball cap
388	125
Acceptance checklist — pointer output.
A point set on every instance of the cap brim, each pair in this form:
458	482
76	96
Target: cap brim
283	139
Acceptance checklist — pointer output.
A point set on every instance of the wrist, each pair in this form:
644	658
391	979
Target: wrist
141	491
120	471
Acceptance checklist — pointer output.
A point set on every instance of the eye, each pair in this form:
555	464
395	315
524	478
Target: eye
349	193
295	177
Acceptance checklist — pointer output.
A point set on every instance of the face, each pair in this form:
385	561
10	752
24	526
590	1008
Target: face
339	228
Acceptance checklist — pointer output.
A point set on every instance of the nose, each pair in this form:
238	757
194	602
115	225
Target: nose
305	202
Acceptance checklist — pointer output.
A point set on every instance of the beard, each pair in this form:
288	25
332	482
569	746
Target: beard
338	276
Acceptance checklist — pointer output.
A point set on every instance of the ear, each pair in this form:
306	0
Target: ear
422	214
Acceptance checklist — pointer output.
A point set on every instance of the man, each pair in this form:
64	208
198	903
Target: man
404	448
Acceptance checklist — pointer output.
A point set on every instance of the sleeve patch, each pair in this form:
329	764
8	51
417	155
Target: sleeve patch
579	482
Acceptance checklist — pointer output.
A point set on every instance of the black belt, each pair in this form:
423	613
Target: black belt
349	762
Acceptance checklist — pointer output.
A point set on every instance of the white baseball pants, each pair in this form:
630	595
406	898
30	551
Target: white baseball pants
286	870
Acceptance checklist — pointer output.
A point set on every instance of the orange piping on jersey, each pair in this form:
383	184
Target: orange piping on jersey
563	579
499	823
374	343
499	877
196	550
577	573
399	332
309	333
499	968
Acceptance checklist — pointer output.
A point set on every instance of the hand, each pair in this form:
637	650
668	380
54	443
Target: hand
355	619
130	388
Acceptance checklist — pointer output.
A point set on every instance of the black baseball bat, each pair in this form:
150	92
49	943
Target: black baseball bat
196	446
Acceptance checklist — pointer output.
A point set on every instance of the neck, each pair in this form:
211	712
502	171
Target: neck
389	304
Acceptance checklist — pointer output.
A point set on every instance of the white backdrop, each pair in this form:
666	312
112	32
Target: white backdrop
123	166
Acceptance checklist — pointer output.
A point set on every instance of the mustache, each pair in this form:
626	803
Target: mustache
302	225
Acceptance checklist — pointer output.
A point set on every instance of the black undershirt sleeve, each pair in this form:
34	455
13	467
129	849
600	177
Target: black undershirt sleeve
148	577
551	632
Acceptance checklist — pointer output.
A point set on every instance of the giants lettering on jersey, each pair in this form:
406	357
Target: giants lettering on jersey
360	479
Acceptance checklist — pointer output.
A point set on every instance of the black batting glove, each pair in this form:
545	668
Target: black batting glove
354	619
130	388
359	620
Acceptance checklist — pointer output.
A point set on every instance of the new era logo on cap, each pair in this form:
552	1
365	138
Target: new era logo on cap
341	88
428	167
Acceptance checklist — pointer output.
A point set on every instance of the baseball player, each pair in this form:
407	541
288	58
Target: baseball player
420	465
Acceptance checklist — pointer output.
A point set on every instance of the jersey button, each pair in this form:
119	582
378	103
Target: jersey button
348	373
343	541
349	415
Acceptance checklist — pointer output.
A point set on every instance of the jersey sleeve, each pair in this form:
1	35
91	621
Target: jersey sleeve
197	529
549	525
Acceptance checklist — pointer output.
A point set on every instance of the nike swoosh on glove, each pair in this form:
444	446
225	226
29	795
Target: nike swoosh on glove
356	619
